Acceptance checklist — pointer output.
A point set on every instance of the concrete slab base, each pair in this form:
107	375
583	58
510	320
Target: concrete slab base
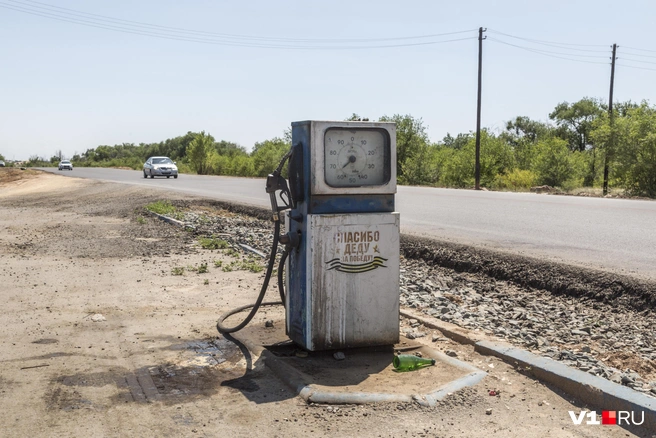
365	375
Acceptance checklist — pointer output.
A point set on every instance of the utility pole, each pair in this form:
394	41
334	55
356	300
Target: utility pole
611	143
478	108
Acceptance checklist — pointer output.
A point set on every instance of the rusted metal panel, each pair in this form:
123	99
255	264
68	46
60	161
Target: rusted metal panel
354	280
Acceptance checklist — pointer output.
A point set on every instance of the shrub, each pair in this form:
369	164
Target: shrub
517	179
552	163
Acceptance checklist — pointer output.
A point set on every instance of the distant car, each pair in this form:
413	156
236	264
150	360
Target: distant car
2	164
65	165
160	166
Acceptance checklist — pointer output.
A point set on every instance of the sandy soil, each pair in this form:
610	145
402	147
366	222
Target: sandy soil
153	365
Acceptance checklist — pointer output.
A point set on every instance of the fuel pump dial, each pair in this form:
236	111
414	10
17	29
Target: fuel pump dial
356	157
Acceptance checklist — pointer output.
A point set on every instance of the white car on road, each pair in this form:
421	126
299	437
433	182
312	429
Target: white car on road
65	165
160	166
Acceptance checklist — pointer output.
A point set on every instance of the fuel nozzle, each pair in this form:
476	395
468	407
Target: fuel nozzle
275	182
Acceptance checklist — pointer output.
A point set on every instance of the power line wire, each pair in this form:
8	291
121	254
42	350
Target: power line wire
641	50
124	26
636	60
638	54
555	44
638	68
122	29
36	8
88	15
559	45
548	53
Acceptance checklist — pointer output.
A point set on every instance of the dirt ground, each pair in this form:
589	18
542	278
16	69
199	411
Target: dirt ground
100	338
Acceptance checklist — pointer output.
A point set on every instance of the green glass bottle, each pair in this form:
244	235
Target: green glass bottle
409	362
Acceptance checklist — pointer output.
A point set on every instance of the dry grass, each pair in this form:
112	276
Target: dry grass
10	174
597	192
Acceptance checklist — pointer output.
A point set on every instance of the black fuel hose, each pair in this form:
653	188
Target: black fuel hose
272	260
281	267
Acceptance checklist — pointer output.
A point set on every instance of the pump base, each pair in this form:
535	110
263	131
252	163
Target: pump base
365	375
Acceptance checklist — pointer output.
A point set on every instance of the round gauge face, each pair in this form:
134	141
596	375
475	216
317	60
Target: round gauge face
356	157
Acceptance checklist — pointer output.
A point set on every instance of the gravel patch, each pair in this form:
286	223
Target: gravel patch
618	345
559	279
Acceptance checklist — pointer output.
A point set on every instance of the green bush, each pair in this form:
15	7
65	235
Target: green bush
267	155
496	158
242	166
635	155
553	163
219	164
199	153
184	167
515	180
423	167
458	169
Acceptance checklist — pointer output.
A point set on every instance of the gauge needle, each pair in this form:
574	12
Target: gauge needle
350	160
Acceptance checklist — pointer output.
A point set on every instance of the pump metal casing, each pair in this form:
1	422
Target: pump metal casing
343	279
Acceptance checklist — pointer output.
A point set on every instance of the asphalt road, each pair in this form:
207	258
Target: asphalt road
617	235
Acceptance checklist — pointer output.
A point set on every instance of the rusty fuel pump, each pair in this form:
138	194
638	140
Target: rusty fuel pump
341	256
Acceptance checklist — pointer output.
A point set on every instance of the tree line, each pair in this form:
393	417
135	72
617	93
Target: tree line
568	151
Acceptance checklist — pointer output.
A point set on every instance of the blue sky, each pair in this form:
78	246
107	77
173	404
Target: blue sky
73	87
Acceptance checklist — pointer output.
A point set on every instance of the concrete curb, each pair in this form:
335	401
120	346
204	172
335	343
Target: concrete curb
590	389
451	331
432	398
251	249
170	220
